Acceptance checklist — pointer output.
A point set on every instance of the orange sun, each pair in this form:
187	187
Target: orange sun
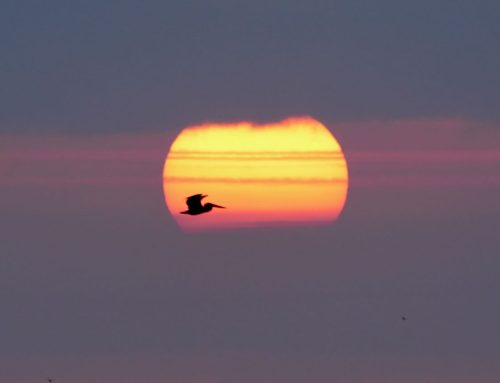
286	173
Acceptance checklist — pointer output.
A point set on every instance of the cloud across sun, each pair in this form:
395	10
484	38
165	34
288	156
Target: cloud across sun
286	173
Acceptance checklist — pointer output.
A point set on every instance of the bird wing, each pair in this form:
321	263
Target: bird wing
194	202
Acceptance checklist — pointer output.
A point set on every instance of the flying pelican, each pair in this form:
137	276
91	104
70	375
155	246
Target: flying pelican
195	207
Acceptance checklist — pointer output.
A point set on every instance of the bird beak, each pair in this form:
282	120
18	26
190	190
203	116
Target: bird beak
220	207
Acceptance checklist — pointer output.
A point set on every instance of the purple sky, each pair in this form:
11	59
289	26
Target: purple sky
98	284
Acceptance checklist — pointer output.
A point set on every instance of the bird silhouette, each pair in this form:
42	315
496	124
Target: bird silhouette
195	207
50	380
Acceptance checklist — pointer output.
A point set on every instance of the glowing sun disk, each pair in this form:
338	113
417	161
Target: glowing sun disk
288	172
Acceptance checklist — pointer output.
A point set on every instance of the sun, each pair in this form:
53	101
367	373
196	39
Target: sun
291	172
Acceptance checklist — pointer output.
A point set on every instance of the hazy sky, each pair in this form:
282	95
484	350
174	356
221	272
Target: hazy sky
97	283
93	66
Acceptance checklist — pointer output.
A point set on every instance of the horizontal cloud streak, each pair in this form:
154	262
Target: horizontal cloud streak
424	156
425	181
76	180
256	155
433	168
258	180
419	134
431	156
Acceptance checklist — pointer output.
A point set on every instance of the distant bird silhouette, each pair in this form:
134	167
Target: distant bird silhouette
50	380
195	207
403	318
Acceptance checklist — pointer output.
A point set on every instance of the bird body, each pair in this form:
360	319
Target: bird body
195	207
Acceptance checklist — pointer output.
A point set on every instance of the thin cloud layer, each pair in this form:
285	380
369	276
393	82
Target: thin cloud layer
440	157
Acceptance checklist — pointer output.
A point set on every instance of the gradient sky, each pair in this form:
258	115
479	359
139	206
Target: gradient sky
98	284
